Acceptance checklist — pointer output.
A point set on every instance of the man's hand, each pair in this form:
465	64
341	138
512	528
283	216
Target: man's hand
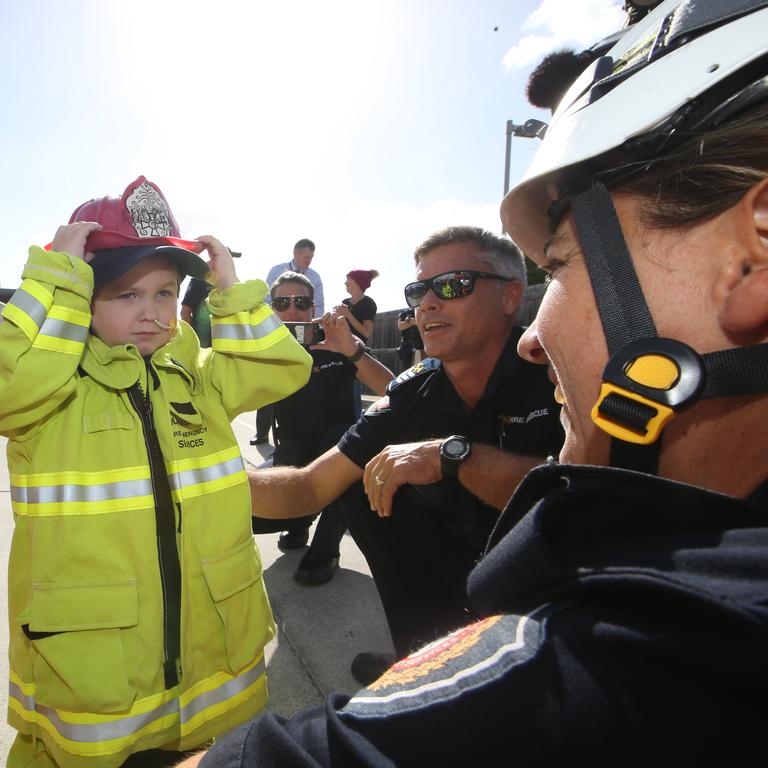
222	265
338	337
71	239
396	465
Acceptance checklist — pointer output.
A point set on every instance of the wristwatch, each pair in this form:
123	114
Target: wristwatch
359	353
454	451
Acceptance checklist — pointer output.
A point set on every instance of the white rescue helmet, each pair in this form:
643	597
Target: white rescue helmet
685	68
659	74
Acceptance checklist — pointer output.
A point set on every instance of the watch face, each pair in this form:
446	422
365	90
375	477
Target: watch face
454	448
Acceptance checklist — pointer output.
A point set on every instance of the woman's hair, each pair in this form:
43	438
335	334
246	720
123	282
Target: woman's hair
703	176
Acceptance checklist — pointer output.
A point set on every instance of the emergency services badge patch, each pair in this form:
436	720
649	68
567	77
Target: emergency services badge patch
465	660
149	212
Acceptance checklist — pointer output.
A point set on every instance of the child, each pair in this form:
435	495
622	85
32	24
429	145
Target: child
137	611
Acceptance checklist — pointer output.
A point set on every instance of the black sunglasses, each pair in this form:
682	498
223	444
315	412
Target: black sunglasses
449	285
281	303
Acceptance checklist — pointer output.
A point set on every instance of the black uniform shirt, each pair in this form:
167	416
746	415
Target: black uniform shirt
303	419
517	413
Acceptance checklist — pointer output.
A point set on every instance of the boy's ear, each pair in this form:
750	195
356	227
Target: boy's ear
744	280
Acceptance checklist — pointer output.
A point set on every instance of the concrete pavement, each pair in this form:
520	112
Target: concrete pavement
320	629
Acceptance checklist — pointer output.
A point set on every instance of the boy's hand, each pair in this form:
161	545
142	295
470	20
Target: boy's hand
338	337
222	266
71	239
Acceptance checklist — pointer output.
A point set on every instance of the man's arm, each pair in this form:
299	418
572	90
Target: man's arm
489	473
286	492
338	338
319	297
375	375
191	762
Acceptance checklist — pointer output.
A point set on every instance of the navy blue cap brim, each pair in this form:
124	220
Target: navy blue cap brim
112	263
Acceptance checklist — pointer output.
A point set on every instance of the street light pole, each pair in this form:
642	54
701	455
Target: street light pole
510	128
530	129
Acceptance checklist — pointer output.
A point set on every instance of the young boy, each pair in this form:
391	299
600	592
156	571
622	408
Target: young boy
137	611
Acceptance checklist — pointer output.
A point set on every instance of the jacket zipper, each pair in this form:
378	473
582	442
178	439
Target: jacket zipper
165	526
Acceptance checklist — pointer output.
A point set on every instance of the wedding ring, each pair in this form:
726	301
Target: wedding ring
378	480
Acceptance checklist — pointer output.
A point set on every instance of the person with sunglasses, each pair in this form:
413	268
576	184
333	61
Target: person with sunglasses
439	455
313	418
303	254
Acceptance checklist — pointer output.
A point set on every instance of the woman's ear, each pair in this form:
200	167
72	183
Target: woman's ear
743	282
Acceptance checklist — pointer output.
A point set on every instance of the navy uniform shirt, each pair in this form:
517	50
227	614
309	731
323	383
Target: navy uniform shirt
517	413
303	419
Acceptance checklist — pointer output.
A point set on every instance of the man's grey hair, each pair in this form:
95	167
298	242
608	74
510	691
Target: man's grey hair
500	253
293	277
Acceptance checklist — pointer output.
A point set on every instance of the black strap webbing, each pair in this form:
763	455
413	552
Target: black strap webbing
623	311
620	302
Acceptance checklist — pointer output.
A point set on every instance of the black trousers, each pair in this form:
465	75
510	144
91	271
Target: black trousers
264	420
420	558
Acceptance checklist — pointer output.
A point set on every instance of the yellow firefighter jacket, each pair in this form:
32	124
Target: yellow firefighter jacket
137	611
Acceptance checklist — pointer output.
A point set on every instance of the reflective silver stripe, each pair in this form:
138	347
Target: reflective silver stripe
61	329
50	494
189	477
28	304
242	332
14	692
224	692
131	724
95	732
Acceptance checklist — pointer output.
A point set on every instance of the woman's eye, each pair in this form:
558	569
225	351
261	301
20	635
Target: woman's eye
551	266
127	295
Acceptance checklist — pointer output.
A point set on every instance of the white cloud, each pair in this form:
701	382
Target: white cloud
560	24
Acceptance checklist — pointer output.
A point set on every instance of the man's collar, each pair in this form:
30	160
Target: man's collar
507	364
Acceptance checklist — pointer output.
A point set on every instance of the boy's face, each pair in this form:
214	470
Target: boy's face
124	311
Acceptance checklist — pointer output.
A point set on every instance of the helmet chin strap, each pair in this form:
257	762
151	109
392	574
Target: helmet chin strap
648	379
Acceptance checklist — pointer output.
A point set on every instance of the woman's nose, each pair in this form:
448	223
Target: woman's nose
529	347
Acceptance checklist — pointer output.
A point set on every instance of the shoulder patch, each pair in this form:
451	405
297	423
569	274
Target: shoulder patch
469	659
425	366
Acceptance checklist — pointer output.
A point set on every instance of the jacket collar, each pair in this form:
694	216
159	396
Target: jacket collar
568	522
121	366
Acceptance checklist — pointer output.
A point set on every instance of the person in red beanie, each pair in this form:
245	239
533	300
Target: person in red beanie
360	311
138	614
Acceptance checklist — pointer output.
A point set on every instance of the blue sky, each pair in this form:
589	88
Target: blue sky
362	124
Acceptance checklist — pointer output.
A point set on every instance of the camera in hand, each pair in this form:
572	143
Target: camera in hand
307	333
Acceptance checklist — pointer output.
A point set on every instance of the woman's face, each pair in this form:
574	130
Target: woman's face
567	334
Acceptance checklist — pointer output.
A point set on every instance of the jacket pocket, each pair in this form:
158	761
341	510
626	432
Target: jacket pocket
104	421
235	582
75	630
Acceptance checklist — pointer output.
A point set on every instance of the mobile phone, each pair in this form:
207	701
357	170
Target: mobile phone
306	333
